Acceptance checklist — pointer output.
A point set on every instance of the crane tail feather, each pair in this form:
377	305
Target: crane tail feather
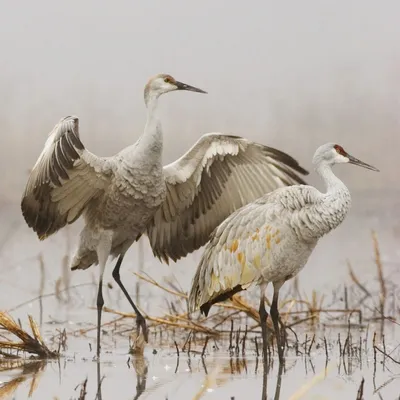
205	308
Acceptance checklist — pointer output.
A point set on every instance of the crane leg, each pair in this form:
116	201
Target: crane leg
103	251
263	322
100	304
140	320
275	320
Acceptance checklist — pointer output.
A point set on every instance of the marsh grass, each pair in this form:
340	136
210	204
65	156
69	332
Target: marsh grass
32	344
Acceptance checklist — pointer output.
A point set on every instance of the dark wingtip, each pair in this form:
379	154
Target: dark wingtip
302	171
287	160
205	309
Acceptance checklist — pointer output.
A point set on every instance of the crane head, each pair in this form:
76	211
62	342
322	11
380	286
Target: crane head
332	153
164	83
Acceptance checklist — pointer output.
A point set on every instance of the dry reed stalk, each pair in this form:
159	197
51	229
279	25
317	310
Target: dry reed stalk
66	277
29	344
155	283
41	286
57	289
381	278
84	331
360	391
54	294
65	266
314	306
241	303
357	282
82	393
161	321
188	321
386	355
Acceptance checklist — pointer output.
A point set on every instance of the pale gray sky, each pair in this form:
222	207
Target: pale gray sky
288	74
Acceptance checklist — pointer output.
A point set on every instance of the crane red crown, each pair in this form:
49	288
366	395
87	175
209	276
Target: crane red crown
340	150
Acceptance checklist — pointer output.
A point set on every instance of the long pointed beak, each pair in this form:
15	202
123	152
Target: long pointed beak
355	161
184	86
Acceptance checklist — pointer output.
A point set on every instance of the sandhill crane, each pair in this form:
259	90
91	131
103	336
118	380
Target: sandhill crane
131	193
271	239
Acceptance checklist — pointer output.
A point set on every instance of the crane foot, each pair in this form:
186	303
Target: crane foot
141	325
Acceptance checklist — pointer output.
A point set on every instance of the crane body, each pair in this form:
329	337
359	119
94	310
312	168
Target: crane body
271	239
137	190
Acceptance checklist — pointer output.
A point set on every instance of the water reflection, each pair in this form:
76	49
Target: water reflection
279	382
214	375
99	395
27	370
140	365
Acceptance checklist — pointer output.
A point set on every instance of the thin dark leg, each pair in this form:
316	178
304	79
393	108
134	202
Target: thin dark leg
140	320
275	320
100	304
99	395
263	322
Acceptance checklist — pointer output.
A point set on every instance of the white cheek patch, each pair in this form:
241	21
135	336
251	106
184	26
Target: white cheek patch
339	159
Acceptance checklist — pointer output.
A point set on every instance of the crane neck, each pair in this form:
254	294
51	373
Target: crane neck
318	213
151	141
333	205
331	181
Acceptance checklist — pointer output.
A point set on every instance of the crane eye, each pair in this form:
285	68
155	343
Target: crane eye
167	80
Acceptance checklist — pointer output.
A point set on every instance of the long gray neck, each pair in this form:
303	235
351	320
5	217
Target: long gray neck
150	144
325	211
332	183
334	204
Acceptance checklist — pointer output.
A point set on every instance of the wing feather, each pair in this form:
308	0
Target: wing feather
218	175
64	179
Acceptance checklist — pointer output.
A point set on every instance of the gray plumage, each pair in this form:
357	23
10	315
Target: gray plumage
271	239
131	193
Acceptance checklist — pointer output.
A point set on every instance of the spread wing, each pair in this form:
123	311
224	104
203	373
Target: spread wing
64	179
218	175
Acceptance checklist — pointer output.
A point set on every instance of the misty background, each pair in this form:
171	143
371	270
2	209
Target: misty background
292	75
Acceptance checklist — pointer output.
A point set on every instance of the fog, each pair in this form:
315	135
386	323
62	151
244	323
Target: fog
292	75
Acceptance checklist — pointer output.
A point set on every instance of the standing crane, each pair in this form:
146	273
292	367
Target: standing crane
131	193
271	239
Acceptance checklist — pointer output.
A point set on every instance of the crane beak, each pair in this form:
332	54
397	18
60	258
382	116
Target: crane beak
355	161
184	86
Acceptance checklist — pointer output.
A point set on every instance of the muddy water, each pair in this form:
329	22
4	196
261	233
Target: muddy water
156	376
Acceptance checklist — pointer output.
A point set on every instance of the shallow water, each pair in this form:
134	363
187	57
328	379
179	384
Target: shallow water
158	376
23	277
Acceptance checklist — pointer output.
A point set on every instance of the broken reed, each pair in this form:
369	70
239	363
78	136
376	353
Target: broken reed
32	344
